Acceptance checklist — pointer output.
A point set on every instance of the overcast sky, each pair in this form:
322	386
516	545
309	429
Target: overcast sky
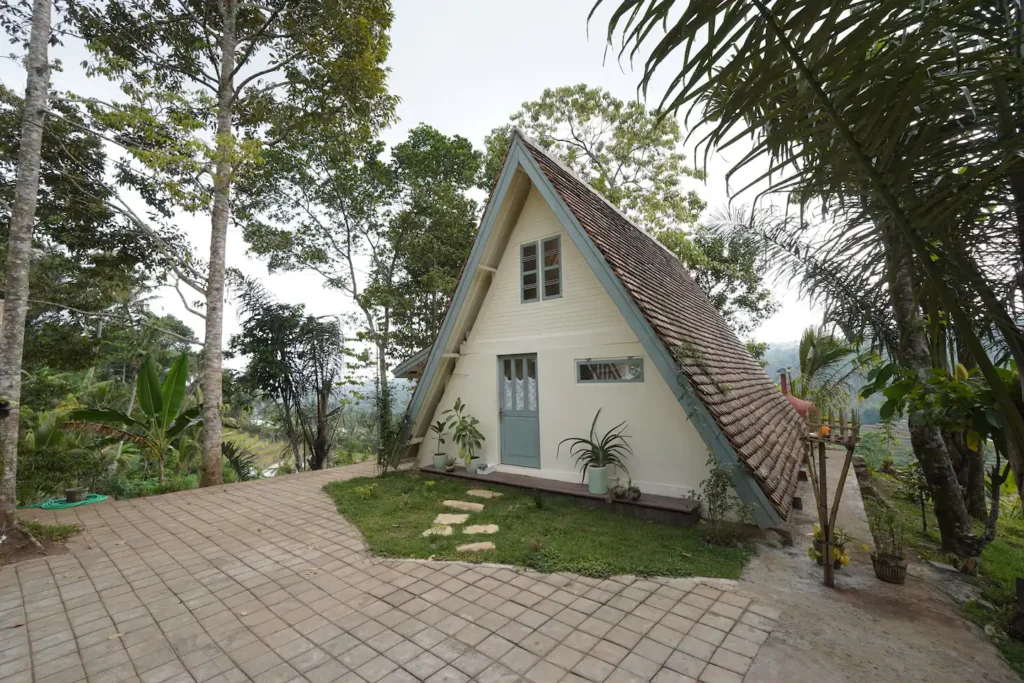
462	66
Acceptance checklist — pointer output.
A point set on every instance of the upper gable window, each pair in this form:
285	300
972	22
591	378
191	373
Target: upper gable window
541	269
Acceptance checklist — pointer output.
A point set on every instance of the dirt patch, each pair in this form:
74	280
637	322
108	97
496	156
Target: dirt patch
863	629
17	546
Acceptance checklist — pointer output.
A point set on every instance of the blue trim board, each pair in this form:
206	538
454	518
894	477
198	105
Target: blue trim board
462	289
764	515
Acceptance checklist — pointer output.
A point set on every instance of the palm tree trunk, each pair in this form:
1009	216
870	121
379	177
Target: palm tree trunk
131	407
19	252
212	351
926	439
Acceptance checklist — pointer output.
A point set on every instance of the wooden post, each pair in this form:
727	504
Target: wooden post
826	532
839	487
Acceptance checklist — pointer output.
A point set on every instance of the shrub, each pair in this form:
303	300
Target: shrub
51	459
716	493
366	492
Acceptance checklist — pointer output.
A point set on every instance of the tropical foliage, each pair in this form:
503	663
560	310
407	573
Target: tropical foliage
828	368
893	130
164	413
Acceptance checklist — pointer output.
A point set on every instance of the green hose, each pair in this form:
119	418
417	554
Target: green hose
63	504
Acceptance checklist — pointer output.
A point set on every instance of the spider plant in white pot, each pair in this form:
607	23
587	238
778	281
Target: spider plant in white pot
599	452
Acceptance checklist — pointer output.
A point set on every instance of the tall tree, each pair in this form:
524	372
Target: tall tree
407	223
270	340
19	251
90	269
248	75
297	361
632	157
430	236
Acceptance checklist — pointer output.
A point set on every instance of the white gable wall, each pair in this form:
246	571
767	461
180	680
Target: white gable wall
584	323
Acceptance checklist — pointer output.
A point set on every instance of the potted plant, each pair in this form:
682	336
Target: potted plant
449	464
439	429
839	539
889	559
465	434
76	494
598	453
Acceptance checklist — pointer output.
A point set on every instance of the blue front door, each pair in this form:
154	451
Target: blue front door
517	410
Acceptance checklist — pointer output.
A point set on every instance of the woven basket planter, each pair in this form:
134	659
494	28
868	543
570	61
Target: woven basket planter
889	569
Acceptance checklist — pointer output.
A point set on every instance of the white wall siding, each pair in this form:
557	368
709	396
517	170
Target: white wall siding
584	323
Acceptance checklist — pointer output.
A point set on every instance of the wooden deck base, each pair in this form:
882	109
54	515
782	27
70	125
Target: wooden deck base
662	509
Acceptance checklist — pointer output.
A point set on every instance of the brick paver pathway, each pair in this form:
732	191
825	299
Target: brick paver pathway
265	581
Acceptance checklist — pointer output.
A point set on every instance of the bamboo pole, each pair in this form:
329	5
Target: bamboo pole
826	532
840	486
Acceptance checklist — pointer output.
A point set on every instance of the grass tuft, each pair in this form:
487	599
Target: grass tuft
553	536
58	533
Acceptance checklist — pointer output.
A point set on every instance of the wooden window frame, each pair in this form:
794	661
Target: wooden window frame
599	361
523	273
540	270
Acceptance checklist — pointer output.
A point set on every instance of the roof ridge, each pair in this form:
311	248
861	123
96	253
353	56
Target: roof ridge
562	165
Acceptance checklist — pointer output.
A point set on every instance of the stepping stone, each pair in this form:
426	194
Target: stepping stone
482	493
481	529
445	520
439	530
475	547
464	505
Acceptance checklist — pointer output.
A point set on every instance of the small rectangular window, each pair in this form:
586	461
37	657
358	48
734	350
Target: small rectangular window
615	370
528	258
552	267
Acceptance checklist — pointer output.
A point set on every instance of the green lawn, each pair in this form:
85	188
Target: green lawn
1001	562
542	533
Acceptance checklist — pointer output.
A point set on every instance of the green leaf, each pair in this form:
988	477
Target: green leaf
112	418
173	391
191	417
148	388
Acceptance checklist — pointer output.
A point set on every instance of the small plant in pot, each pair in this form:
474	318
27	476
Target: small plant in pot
465	434
440	429
890	558
598	453
449	464
839	539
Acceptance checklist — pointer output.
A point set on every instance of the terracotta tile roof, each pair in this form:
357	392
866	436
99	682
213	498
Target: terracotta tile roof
760	424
